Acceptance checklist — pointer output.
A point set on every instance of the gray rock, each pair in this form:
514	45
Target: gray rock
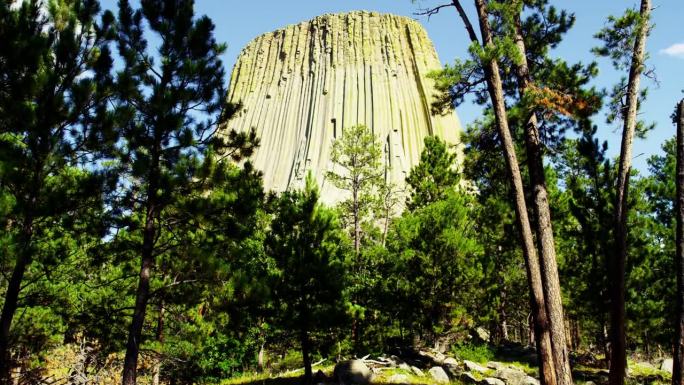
452	370
511	376
666	365
474	367
493	381
404	366
396	360
320	377
352	372
398	379
417	371
531	381
468	379
482	333
495	365
450	361
438	374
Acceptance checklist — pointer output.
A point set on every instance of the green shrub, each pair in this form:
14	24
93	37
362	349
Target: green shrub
471	352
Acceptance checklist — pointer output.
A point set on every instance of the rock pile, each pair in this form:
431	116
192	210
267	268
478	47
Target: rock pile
435	367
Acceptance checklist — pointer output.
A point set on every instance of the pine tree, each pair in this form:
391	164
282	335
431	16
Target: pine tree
163	97
308	246
435	175
356	157
54	68
678	358
624	42
465	78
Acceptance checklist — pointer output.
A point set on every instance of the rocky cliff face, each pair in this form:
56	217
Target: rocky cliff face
302	85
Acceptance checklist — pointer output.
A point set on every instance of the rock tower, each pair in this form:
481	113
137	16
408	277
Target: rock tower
302	85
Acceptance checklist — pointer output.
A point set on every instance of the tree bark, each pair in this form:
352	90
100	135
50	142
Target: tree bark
357	224
678	357
160	338
503	318
547	366
12	298
8	310
306	356
618	364
544	229
142	294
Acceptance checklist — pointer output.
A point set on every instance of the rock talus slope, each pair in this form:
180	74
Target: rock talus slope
302	85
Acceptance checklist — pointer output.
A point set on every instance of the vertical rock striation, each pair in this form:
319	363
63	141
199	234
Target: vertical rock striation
300	86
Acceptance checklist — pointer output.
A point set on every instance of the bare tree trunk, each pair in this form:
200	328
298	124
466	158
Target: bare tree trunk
547	366
678	358
618	364
544	229
261	357
385	226
503	324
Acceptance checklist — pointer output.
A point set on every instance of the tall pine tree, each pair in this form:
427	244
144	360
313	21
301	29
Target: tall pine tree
54	71
171	102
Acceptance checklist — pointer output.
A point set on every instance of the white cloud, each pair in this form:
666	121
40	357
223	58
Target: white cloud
676	50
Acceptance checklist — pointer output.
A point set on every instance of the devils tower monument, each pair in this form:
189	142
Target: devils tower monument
302	85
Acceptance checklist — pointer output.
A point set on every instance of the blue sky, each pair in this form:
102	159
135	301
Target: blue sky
238	22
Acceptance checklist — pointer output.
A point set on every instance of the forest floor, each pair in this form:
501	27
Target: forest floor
589	374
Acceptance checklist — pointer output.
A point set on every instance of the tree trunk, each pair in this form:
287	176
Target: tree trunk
544	229
11	300
306	357
385	226
547	367
142	296
618	364
503	318
357	224
678	358
260	358
160	338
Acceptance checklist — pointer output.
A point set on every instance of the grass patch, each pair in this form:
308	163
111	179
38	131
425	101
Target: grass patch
525	367
475	353
294	377
647	374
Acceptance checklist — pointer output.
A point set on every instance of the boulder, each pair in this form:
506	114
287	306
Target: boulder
439	358
469	379
493	381
666	365
531	381
474	367
511	376
398	379
320	377
452	370
438	374
450	361
352	372
482	334
495	365
417	371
